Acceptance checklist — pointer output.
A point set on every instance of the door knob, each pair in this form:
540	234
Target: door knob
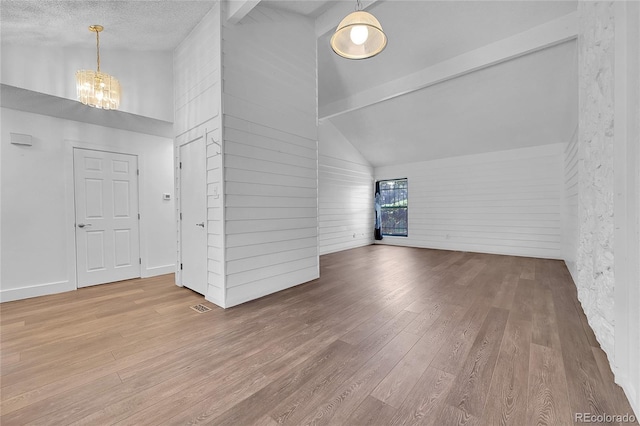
82	225
200	224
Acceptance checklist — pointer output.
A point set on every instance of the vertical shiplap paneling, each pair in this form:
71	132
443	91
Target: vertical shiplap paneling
345	193
197	114
570	224
506	202
270	153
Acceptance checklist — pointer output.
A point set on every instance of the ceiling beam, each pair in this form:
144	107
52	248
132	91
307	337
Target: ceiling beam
541	37
238	9
330	19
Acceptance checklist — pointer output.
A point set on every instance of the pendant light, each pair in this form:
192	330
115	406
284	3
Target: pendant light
359	35
95	88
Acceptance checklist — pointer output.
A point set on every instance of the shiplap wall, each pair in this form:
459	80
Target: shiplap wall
197	114
270	153
570	223
506	202
345	192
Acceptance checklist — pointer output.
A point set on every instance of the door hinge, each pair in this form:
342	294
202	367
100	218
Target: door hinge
138	172
181	266
180	216
138	216
181	164
140	260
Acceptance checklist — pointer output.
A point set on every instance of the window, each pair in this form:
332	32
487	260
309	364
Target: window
393	203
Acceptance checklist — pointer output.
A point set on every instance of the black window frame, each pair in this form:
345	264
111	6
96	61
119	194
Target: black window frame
385	207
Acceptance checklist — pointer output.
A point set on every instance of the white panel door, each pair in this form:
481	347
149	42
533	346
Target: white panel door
107	228
193	210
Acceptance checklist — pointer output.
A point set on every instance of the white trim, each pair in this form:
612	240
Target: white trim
626	157
398	241
36	290
620	357
176	209
361	243
199	132
223	181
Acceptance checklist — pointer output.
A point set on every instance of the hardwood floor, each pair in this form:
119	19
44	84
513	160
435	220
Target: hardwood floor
387	336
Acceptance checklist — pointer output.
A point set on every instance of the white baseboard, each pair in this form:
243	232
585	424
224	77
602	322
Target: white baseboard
334	248
8	295
159	270
471	248
11	294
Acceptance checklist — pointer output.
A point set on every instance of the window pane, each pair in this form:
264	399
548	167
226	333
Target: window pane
394	204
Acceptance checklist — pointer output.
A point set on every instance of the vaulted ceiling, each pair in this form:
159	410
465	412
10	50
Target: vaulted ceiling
457	77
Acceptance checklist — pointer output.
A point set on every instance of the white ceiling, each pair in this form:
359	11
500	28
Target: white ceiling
520	102
528	101
424	33
310	8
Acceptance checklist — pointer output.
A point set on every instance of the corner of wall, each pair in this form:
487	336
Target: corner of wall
345	193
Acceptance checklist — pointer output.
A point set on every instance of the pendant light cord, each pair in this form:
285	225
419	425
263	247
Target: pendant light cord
358	5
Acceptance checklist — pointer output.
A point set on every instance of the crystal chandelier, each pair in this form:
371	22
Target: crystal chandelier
95	88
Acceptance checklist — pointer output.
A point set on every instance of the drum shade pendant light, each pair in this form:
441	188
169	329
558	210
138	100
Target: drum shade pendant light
95	88
359	35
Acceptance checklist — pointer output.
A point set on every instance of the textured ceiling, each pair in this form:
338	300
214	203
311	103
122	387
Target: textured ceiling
129	25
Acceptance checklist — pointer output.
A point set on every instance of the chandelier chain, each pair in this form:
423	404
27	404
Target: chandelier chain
98	48
358	5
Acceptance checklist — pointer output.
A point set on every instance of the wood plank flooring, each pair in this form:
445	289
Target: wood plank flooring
387	336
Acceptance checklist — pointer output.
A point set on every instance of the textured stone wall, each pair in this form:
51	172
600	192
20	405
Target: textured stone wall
595	257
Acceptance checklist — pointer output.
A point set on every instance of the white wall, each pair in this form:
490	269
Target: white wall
345	193
38	243
505	202
146	78
570	225
197	114
270	153
627	201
